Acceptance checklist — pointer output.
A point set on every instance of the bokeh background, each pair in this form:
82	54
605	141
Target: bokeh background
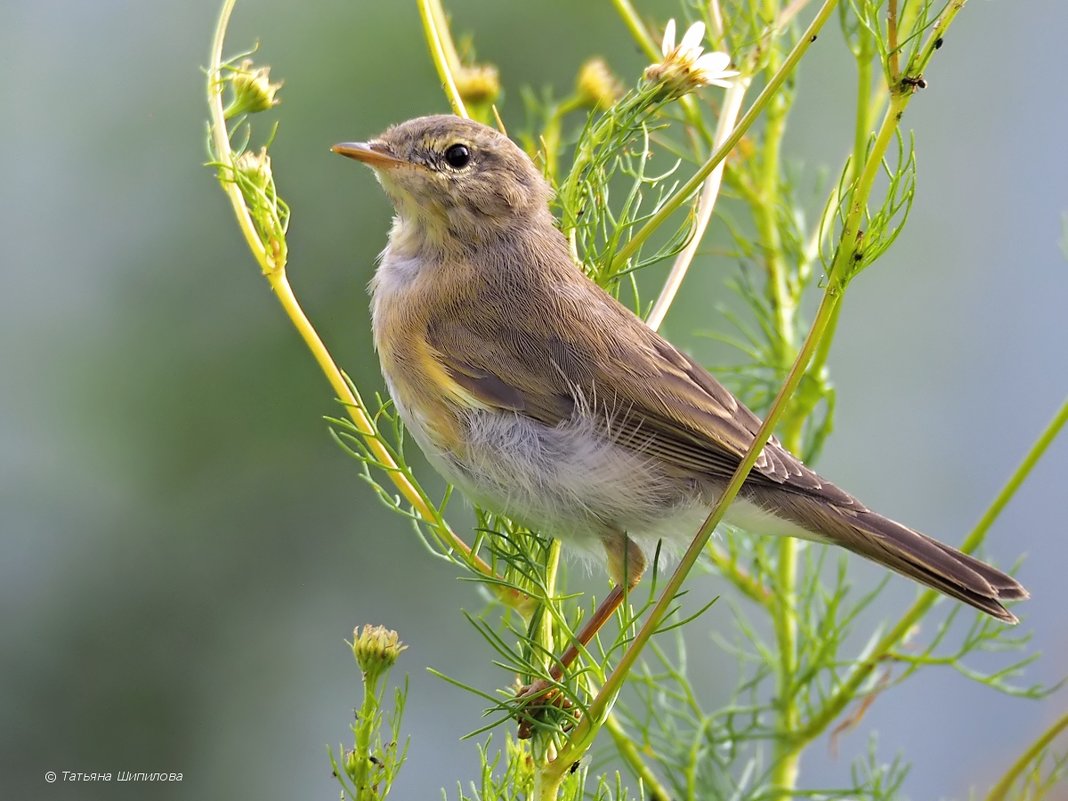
183	549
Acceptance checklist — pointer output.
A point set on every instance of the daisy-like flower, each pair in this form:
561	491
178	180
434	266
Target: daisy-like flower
684	67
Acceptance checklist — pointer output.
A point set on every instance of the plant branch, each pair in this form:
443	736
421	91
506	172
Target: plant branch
632	756
687	190
1001	790
732	103
584	732
274	270
849	688
439	40
652	51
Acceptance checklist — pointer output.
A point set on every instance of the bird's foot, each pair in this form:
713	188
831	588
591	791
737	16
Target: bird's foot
536	701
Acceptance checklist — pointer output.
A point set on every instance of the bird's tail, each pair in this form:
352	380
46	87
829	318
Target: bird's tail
910	553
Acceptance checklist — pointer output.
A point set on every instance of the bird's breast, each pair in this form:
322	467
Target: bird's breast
431	404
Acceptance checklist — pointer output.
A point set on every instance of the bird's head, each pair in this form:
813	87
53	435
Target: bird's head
453	180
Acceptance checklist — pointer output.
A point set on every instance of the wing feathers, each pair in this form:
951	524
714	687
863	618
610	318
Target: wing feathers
652	397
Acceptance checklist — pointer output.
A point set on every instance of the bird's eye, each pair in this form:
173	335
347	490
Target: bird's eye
457	156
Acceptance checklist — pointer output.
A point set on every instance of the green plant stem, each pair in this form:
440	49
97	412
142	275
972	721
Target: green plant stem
1044	440
892	55
1001	790
221	139
547	784
862	122
767	217
652	51
544	636
275	272
850	245
732	102
585	730
626	748
439	40
687	190
739	577
786	759
366	724
847	691
637	29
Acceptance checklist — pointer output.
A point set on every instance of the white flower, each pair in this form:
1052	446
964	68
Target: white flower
683	67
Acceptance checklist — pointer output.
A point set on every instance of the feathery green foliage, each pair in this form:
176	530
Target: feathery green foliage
636	174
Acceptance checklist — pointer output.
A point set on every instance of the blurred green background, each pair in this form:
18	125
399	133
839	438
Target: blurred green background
184	549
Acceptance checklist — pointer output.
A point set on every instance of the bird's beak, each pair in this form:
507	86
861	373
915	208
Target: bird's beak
373	154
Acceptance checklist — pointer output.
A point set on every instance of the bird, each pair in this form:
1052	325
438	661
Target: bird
544	398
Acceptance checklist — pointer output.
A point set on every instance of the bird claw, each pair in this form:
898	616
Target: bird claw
535	700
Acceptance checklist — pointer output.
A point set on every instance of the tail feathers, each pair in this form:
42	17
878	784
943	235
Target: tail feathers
932	563
915	555
1008	588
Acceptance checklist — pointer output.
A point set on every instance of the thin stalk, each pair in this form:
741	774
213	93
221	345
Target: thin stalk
838	278
750	586
847	691
787	753
1001	790
652	51
786	759
767	219
583	734
655	791
862	122
439	40
544	636
637	29
366	724
221	140
276	275
732	103
892	54
688	189
547	786
786	764
1044	440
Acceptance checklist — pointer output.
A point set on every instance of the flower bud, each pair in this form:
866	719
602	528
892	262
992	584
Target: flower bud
255	167
478	84
253	90
376	649
597	87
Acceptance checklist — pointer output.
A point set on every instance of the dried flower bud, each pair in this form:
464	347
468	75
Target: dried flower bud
255	167
478	84
596	85
351	761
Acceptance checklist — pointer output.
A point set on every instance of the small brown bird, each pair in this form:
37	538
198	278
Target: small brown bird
545	399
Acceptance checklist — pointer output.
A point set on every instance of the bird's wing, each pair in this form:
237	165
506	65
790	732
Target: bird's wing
650	396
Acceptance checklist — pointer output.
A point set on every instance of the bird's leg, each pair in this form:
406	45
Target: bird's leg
626	564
